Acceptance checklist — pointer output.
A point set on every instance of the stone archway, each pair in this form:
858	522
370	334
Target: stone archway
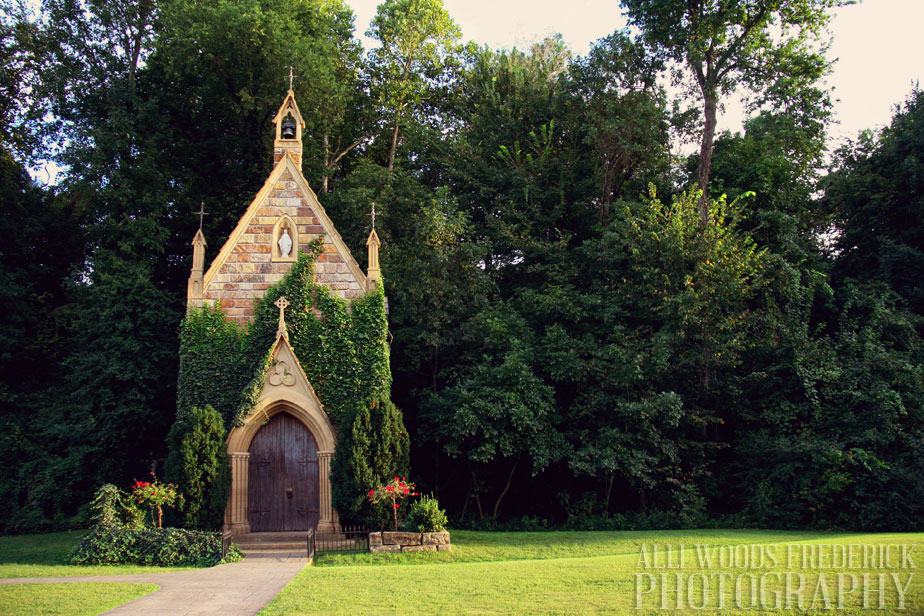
240	447
285	390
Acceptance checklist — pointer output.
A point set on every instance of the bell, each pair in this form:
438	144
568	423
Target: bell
288	128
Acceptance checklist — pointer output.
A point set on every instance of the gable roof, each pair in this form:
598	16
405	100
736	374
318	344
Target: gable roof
285	167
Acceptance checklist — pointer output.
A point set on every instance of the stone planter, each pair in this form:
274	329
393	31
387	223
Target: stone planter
387	542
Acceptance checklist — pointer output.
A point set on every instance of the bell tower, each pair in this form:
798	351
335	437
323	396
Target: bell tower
289	128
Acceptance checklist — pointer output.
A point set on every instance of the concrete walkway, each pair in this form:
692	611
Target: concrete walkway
243	587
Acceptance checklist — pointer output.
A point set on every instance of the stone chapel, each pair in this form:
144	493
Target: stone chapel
280	456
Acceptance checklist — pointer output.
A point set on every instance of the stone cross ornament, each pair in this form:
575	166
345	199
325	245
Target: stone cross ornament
282	303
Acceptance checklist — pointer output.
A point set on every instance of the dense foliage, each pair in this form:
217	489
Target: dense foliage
198	463
425	516
163	547
374	448
585	330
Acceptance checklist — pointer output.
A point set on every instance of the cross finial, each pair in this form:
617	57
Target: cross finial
291	75
201	213
282	303
373	215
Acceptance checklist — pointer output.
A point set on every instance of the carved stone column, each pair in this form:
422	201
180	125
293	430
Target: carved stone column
240	467
328	518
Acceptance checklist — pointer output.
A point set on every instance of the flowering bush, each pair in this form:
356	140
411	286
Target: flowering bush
393	491
155	494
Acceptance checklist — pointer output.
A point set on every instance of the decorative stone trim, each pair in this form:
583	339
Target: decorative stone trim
409	542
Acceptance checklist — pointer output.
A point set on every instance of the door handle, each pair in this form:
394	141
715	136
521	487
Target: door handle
289	493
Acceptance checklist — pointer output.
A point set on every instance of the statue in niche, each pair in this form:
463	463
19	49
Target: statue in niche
285	244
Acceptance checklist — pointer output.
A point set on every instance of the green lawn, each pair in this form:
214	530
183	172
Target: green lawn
621	573
46	556
78	599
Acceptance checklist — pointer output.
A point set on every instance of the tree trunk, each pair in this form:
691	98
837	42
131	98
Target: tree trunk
475	491
394	146
506	487
609	491
710	108
326	140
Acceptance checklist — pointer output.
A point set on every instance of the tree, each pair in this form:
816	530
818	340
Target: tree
876	195
497	412
199	464
43	243
371	451
768	46
620	105
414	61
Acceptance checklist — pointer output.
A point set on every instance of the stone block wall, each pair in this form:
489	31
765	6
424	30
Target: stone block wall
409	542
250	270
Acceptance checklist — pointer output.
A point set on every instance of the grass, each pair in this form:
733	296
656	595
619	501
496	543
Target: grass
46	555
472	546
609	573
78	599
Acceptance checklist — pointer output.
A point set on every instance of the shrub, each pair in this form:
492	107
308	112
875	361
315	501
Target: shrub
369	453
199	464
425	516
165	547
112	507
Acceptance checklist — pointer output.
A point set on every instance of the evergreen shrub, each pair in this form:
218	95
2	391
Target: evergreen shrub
199	464
371	452
425	516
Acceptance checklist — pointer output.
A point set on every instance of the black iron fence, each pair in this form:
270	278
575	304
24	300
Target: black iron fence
349	539
225	543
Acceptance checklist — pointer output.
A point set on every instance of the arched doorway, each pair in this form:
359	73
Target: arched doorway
283	488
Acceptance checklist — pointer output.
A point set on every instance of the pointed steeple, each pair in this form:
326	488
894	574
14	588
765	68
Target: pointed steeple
194	286
373	273
289	128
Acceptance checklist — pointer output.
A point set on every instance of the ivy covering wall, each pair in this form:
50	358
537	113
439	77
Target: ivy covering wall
342	347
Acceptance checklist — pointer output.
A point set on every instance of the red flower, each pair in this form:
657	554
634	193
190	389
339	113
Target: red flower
371	492
396	505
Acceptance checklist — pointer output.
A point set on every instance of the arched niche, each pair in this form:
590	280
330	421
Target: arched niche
285	226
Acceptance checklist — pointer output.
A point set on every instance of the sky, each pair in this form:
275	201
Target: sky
878	44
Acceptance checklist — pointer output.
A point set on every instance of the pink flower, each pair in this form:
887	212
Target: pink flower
395	506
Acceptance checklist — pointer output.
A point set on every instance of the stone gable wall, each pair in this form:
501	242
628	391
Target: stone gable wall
250	270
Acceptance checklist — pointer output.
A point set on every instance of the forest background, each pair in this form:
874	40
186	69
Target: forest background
590	328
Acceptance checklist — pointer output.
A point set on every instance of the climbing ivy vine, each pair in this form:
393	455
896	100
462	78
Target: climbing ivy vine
342	347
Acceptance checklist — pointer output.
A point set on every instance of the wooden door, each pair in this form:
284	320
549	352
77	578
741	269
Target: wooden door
283	492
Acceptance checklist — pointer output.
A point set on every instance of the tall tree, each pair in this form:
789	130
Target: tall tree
876	193
419	43
622	109
770	47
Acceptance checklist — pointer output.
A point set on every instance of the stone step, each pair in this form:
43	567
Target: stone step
275	545
261	538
